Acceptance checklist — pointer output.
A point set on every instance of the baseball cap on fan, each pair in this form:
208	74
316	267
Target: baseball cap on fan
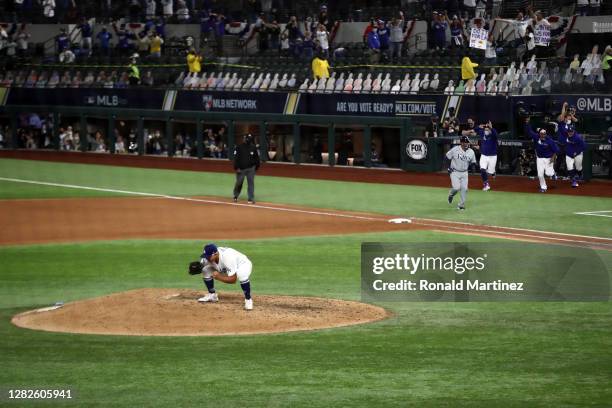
209	250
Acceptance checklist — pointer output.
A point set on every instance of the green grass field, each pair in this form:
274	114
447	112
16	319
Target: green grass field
428	354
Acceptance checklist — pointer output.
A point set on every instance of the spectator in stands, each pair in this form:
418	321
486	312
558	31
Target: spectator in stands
9	48
594	6
150	9
124	39
308	46
160	27
396	36
324	18
284	45
467	69
456	31
168	8
96	143
148	79
62	40
155	45
194	61
469	129
433	127
582	7
606	68
134	71
322	37
104	39
538	21
210	143
220	149
119	143
143	42
22	41
205	25
49	10
383	37
4	38
439	25
86	34
374	46
182	12
490	52
469	6
520	24
66	56
529	43
293	35
320	67
273	30
369	28
135	11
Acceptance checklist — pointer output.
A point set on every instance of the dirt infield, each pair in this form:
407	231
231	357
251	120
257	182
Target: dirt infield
86	219
596	188
176	312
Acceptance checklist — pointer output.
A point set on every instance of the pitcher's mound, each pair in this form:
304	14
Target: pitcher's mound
176	312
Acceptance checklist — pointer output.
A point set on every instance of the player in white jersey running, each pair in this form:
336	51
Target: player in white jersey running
460	157
226	265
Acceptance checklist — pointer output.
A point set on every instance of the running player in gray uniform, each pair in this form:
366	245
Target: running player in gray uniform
460	157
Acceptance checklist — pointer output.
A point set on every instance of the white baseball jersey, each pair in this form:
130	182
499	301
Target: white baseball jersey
231	262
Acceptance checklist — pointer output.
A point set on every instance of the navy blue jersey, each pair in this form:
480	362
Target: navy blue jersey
383	37
63	42
439	29
545	148
488	143
104	37
86	30
575	145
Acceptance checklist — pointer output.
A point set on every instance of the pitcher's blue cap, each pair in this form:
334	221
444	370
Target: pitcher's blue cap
209	250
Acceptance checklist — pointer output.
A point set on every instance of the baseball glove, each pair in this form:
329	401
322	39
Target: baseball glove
195	267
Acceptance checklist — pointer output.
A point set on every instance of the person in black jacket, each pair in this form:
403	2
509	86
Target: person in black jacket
246	163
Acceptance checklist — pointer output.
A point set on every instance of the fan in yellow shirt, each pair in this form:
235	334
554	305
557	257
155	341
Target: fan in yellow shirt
320	67
155	45
193	61
467	69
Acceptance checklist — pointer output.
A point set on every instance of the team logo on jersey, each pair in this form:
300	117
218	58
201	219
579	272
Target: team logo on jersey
416	149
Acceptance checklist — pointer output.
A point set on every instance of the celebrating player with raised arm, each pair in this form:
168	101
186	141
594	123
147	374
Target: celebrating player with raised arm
488	152
546	150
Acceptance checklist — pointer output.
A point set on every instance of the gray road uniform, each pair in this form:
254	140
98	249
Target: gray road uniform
460	161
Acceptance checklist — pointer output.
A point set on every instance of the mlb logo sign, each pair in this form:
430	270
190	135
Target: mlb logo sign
207	100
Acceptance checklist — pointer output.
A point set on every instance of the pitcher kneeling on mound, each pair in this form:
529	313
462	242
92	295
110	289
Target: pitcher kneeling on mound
226	265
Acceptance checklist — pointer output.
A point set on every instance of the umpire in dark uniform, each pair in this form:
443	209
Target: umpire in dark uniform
246	163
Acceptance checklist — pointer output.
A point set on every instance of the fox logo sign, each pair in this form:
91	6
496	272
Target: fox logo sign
416	149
